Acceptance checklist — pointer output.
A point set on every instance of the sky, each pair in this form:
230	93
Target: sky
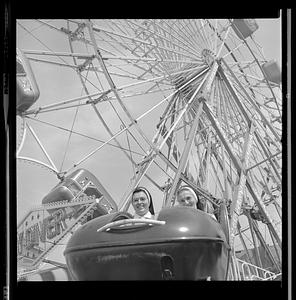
269	34
33	182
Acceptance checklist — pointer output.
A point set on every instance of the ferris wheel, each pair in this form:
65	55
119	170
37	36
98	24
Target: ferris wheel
159	103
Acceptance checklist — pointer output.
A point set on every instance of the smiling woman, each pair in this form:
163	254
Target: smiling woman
187	197
142	203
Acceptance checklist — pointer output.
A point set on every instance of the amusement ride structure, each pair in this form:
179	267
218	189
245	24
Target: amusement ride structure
104	106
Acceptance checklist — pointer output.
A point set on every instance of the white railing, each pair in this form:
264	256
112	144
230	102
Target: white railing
248	271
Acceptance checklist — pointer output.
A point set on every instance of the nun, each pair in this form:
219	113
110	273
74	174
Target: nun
186	196
142	203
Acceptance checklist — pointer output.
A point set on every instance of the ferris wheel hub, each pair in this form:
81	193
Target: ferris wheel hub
208	57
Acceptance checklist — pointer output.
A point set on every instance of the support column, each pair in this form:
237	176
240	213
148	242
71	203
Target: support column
205	92
256	252
184	157
261	206
238	195
262	242
243	242
251	101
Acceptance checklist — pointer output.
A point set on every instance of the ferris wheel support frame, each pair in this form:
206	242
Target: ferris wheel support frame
266	79
156	147
261	206
205	91
204	193
126	128
248	119
243	241
112	85
216	125
93	104
96	110
263	243
251	100
23	136
255	242
225	173
184	156
276	248
269	155
235	97
239	169
239	189
234	159
42	148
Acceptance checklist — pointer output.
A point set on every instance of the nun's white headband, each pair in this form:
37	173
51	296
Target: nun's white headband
142	189
188	188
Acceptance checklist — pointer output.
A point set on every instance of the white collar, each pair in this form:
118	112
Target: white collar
146	216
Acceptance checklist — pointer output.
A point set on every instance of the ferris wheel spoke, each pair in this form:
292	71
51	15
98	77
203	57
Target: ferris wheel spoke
140	41
120	132
49	26
52	62
148	59
260	93
235	97
192	34
216	36
84	136
194	31
127	154
205	34
195	34
211	36
202	192
184	157
124	27
263	244
225	165
265	160
59	54
76	111
178	37
256	79
40	52
268	154
158	146
126	47
87	67
58	104
90	27
223	42
236	112
164	40
145	63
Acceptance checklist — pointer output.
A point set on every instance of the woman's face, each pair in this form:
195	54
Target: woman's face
185	198
140	203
